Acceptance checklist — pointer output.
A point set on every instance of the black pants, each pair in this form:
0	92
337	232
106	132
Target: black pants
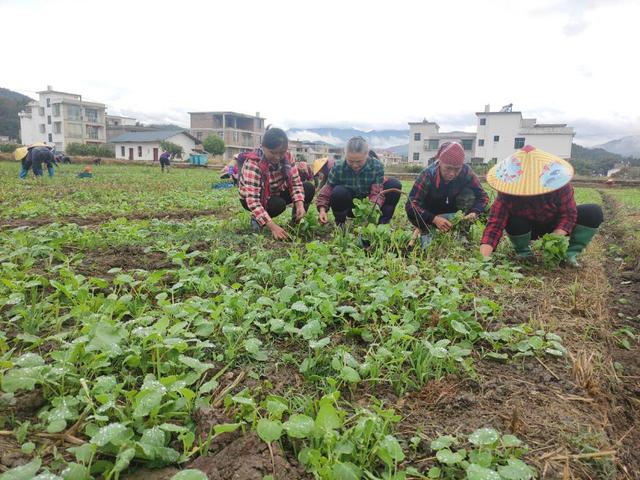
589	215
278	203
342	201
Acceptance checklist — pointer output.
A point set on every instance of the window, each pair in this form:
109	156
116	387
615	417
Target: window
42	128
483	121
519	142
496	138
92	115
73	113
73	130
467	143
416	156
92	132
139	151
41	111
49	119
433	144
50	138
416	136
56	109
122	151
494	159
57	127
481	142
199	135
48	102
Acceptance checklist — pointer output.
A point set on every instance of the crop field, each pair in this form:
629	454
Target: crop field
145	333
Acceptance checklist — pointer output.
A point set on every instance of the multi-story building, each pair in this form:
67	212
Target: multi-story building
60	118
425	138
308	151
388	157
498	135
240	132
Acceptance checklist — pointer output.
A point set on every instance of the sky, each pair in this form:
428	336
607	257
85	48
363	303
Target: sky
347	63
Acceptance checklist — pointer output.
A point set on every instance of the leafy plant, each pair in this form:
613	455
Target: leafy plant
553	249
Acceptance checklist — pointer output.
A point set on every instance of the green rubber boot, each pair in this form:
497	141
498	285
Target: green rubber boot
522	245
578	241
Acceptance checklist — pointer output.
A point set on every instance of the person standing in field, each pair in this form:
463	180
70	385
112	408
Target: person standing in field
536	198
360	175
441	190
164	161
269	181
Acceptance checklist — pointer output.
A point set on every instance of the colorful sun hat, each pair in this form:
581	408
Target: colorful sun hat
530	171
20	153
318	164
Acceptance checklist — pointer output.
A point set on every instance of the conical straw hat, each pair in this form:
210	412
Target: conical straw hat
20	153
530	171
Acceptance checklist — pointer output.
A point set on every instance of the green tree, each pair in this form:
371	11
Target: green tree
214	145
171	147
89	150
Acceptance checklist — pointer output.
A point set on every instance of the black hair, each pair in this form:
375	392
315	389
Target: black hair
275	138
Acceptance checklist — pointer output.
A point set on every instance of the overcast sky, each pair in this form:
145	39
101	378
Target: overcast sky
363	64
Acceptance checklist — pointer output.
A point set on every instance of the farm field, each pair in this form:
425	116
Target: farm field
146	333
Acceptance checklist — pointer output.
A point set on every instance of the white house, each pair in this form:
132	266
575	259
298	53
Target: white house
146	145
425	139
498	135
60	118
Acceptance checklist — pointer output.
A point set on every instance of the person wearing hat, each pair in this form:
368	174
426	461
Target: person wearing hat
269	181
535	198
20	154
86	172
360	175
305	171
321	169
441	190
37	155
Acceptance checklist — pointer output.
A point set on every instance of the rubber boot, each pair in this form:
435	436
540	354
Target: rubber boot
578	241
254	225
522	245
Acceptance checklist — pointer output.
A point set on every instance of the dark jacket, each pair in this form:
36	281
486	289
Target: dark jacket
431	196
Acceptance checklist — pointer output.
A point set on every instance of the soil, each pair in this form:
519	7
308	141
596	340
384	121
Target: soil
240	456
97	219
128	257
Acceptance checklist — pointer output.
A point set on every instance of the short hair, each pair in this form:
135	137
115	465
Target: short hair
275	138
357	145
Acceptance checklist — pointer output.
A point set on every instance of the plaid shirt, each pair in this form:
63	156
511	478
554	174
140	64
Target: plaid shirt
430	196
558	206
252	180
367	182
305	171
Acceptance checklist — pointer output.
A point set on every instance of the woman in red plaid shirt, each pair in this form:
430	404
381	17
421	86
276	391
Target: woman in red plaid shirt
269	181
535	198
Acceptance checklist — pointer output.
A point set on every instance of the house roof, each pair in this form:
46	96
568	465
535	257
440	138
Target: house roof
153	136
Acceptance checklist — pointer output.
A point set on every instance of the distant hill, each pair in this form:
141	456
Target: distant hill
400	149
339	136
10	104
168	126
596	161
626	146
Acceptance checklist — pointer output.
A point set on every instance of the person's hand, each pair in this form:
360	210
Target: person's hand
486	250
442	223
470	216
300	211
277	231
560	232
322	216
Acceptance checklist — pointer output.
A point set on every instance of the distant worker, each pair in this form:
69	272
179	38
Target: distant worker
86	172
441	190
231	170
360	175
269	181
536	198
37	155
165	161
321	169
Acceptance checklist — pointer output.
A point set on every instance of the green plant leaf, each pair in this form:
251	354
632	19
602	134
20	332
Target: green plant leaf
349	374
447	457
483	437
190	474
444	441
327	418
269	430
476	472
299	426
516	470
346	471
23	472
390	451
114	433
